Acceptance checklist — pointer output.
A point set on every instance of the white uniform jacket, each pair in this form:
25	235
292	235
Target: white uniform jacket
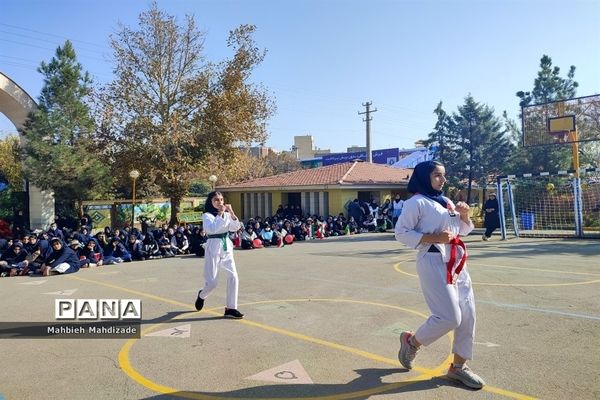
422	215
214	225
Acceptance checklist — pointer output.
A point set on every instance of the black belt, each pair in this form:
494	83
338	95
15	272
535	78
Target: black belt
433	249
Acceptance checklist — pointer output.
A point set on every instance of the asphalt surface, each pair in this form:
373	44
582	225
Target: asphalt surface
322	322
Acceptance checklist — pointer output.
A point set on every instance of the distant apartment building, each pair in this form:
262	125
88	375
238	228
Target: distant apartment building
260	151
356	149
304	147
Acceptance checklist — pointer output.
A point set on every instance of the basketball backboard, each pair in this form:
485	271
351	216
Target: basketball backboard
560	122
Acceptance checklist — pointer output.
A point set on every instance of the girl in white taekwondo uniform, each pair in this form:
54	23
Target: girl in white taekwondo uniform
218	220
432	224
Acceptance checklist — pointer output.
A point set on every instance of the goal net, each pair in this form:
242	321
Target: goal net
550	205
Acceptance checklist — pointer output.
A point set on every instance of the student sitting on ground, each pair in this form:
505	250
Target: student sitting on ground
164	245
76	246
248	237
180	243
61	260
91	253
116	252
266	235
197	241
13	261
134	247
150	248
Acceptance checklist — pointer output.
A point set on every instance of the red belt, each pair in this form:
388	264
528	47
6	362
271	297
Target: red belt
456	242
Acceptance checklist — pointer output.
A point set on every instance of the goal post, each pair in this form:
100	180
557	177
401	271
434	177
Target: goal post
562	204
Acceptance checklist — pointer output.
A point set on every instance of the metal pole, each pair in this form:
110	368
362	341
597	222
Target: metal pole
500	198
133	205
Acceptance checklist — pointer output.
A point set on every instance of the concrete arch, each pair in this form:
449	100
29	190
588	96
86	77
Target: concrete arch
16	104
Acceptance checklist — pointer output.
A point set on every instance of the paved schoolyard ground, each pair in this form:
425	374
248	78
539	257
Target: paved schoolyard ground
322	322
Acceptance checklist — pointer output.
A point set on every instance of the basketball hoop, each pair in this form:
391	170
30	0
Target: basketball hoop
561	128
560	136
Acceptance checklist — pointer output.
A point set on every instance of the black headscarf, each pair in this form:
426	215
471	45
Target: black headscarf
420	182
208	206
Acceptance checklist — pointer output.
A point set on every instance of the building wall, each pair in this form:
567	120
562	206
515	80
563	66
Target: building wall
304	145
321	202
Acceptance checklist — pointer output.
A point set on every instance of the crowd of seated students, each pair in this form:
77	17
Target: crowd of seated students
63	251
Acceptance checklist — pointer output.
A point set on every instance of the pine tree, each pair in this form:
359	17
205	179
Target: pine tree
479	145
60	152
548	86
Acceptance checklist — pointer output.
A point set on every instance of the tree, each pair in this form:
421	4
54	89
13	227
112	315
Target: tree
475	142
11	178
548	86
11	171
60	151
439	138
169	111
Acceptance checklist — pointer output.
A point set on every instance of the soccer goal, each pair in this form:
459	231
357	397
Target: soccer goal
550	205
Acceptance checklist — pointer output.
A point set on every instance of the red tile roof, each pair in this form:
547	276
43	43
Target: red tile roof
345	174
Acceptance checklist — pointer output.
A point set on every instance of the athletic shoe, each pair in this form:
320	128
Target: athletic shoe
407	352
485	238
465	376
233	313
199	302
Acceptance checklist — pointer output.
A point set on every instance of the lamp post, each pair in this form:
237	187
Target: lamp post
212	179
133	174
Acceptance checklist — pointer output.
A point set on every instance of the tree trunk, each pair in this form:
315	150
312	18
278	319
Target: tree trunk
175	208
80	208
468	200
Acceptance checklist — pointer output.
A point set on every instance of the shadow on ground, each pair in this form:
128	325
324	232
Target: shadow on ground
367	384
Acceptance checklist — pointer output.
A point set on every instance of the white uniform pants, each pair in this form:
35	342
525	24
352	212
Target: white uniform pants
452	306
216	259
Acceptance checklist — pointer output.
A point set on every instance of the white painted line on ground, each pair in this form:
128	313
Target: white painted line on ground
540	310
487	344
67	292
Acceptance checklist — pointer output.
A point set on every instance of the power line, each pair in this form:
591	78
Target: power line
52	34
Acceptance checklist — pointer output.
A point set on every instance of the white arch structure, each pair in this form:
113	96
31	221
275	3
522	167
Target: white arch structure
16	105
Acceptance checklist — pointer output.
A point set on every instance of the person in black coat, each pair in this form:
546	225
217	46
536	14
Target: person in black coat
492	219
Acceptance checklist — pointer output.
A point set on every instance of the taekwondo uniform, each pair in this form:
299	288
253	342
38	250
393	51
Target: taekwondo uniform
219	254
446	285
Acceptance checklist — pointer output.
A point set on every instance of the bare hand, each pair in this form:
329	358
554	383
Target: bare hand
444	237
462	208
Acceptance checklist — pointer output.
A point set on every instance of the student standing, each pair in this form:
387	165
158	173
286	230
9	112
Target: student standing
492	219
431	224
218	220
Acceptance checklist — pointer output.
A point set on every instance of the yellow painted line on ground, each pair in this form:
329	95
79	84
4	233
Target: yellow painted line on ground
398	269
426	373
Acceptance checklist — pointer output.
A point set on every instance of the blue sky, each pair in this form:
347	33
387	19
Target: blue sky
326	58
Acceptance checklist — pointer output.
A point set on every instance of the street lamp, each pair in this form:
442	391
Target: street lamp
212	179
133	174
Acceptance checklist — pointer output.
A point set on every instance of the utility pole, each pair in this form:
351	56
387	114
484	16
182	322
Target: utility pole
368	119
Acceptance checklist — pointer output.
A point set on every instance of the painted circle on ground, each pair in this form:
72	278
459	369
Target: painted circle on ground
126	366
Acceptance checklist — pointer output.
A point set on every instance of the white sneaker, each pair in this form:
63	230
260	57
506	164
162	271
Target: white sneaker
466	377
485	238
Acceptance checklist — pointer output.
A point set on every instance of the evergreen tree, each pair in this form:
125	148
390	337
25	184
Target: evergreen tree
60	152
548	86
439	138
482	145
473	144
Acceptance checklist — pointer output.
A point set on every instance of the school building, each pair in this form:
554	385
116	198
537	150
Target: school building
321	191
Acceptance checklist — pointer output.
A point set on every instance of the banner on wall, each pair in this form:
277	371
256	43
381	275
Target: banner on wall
384	156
